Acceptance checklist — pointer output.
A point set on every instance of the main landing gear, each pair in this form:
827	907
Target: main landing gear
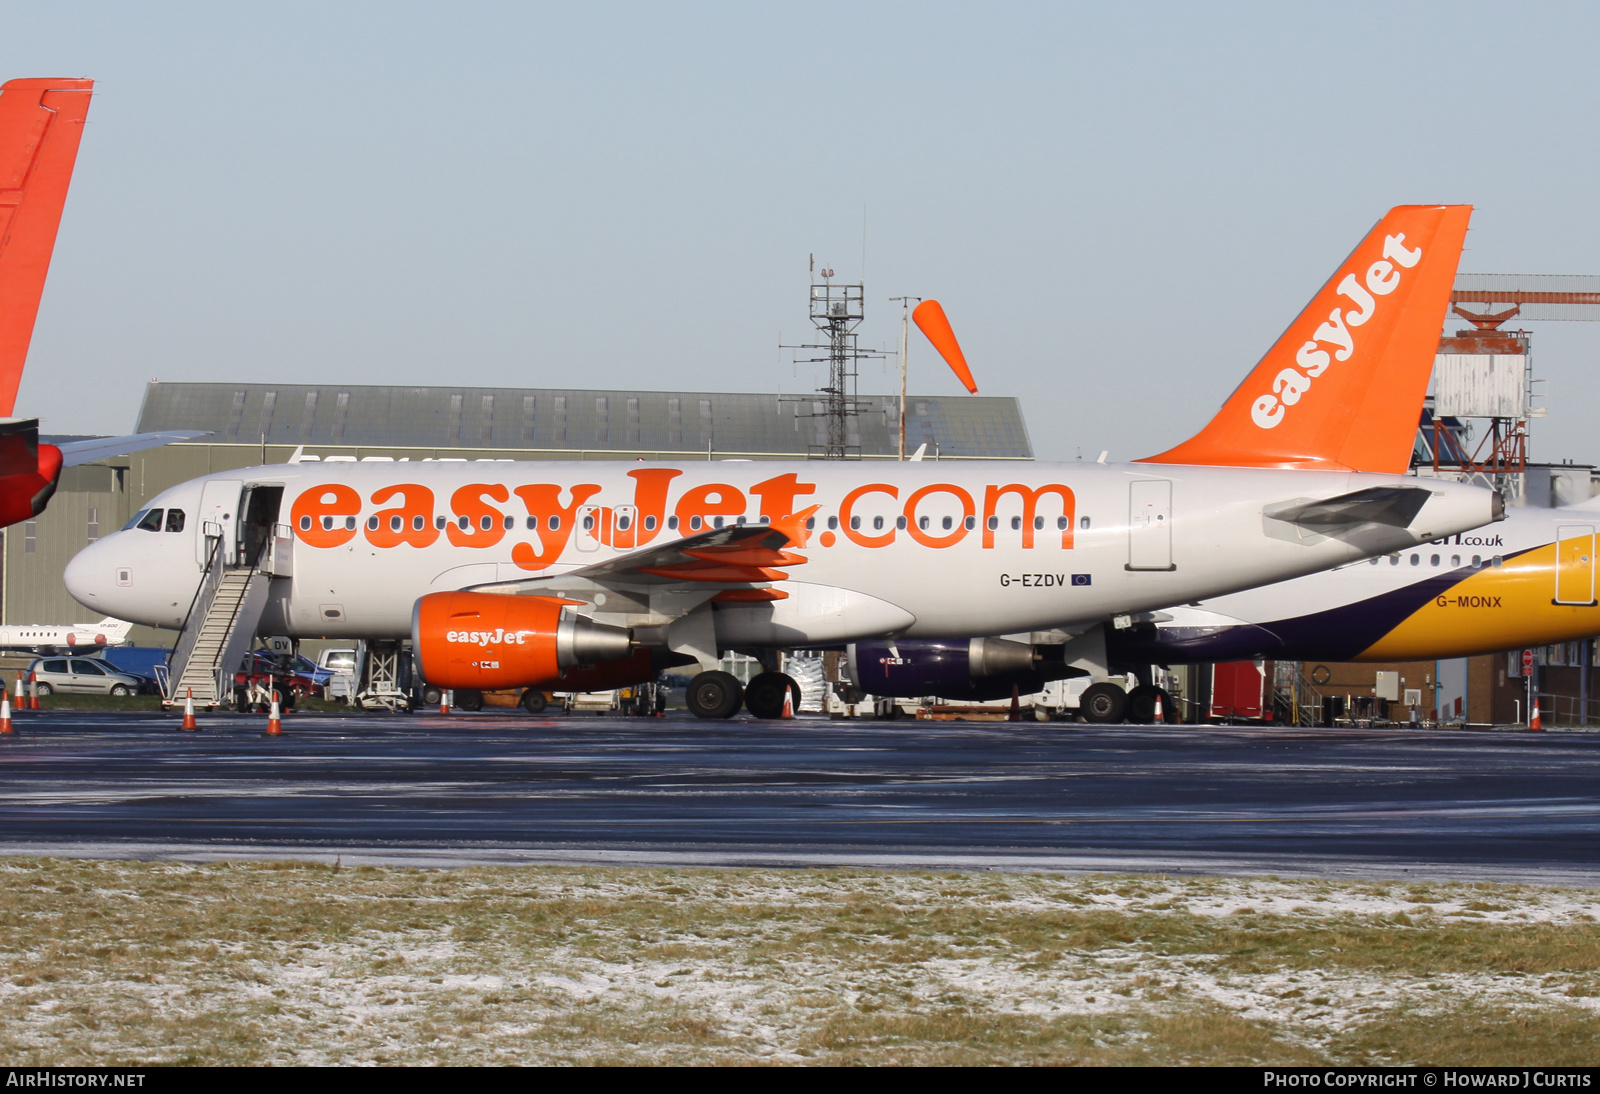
718	694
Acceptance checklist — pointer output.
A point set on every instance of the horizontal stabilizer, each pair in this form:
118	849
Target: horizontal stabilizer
74	453
1396	506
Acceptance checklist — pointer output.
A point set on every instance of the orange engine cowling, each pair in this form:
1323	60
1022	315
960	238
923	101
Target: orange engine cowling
485	641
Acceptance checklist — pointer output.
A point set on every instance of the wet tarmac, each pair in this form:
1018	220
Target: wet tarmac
508	788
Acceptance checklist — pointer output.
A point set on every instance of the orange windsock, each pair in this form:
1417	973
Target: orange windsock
930	320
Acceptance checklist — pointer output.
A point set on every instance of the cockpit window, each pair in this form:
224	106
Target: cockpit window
174	520
151	521
133	521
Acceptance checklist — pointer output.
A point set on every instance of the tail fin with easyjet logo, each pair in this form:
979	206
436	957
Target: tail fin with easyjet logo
41	122
1343	387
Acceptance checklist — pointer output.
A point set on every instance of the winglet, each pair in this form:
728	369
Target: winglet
930	320
41	122
1341	388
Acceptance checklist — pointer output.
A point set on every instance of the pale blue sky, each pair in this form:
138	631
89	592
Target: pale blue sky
1120	206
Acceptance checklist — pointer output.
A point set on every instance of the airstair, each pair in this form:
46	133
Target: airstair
221	625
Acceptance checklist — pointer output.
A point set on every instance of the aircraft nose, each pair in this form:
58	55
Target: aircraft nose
90	576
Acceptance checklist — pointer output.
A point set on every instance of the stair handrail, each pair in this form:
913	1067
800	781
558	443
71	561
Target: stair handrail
181	650
219	669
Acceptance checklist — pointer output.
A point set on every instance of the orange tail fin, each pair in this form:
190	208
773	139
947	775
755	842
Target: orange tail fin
41	122
1342	388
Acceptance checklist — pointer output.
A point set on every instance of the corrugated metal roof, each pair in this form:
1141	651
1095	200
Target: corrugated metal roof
574	419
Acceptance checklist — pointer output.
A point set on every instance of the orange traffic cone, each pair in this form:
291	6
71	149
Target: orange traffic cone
1160	714
33	686
22	693
5	713
188	711
1533	722
444	701
274	720
788	704
1016	706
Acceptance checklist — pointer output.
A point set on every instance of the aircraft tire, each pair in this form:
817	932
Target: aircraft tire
1142	704
764	696
534	701
469	701
1103	703
431	696
714	694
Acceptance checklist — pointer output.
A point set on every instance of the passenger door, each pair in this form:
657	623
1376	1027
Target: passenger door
1575	564
1150	525
218	517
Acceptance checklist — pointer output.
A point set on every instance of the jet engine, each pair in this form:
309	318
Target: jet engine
975	669
484	641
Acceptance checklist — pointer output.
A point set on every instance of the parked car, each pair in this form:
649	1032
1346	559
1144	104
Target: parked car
81	676
263	673
340	661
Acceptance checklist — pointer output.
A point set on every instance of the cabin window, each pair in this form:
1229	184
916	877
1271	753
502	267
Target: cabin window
372	524
994	522
970	523
1062	524
716	522
672	523
811	522
418	522
486	523
1374	560
174	520
877	524
327	523
396	523
650	523
464	523
554	523
350	524
1499	560
1083	522
440	521
305	522
923	522
1434	561
833	523
694	523
1038	524
510	523
623	521
1016	524
1455	560
1394	560
900	522
1416	560
1477	562
855	522
588	522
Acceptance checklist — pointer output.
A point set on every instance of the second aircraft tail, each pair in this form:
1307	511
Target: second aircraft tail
1342	388
41	122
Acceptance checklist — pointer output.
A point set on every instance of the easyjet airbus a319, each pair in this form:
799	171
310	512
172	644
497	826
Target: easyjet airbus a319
573	577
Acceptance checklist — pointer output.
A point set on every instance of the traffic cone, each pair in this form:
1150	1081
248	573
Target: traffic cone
788	704
188	711
274	720
1016	706
33	687
1533	722
444	701
1160	714
5	713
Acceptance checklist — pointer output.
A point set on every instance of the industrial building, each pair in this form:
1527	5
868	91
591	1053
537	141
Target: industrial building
253	424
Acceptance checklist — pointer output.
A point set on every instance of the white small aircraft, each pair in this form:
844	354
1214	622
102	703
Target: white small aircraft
44	638
586	576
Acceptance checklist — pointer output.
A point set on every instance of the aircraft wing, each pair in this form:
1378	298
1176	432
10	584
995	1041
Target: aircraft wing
720	558
74	453
1396	506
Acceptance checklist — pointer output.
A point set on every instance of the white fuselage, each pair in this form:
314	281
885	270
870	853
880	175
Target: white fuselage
924	549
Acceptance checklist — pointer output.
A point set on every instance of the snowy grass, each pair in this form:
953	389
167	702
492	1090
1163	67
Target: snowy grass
117	962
